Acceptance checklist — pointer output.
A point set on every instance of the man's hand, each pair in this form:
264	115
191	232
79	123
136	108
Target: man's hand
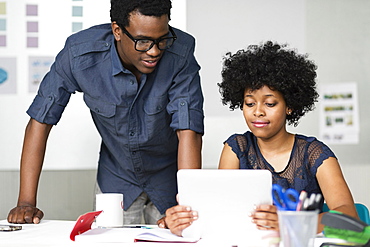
25	214
162	223
177	219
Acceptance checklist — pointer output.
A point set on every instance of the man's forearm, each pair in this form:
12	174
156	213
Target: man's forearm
189	150
32	158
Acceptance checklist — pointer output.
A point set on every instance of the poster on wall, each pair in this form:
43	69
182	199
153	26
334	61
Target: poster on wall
8	82
38	67
339	113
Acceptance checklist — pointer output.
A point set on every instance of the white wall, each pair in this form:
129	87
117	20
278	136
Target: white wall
75	134
333	32
227	26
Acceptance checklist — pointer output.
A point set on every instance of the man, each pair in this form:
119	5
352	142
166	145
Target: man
141	82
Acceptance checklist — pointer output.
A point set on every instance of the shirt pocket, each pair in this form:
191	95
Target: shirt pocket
157	120
103	114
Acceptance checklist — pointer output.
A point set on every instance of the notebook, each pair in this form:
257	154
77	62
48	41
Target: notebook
224	199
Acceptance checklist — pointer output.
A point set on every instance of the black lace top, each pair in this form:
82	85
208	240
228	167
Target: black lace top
307	155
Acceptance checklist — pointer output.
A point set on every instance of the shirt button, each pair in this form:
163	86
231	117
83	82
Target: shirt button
106	44
97	110
132	133
133	152
182	103
137	169
132	82
50	98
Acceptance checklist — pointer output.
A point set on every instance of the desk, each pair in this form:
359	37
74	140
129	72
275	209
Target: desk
54	233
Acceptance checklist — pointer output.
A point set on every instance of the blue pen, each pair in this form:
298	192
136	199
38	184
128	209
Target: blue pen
142	227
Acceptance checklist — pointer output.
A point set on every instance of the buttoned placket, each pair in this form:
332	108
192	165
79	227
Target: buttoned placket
133	133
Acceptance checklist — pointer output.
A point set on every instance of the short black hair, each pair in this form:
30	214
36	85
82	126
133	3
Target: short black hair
120	9
273	65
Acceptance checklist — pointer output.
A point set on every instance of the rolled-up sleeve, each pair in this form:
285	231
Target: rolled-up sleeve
44	110
186	98
54	92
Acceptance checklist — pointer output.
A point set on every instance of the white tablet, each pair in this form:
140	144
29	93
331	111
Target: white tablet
224	200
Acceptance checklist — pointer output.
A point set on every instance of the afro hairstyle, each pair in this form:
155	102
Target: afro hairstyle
275	66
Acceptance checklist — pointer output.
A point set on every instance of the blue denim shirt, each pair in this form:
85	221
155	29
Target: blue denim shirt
137	121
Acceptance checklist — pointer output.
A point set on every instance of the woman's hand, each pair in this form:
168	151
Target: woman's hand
177	219
265	217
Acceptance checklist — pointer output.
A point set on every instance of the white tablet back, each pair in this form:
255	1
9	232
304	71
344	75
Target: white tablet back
224	200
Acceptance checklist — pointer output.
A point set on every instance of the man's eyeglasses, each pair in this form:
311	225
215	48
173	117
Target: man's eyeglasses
147	44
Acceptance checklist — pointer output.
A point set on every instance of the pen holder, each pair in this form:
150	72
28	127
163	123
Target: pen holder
298	228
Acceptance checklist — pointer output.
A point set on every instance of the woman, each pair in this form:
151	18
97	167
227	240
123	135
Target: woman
274	86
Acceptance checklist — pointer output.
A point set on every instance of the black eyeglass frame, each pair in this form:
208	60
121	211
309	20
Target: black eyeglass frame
154	41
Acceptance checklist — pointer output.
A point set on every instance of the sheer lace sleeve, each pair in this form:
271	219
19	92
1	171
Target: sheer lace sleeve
243	145
318	152
237	143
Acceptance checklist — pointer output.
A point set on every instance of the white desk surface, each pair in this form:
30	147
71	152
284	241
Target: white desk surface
57	233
